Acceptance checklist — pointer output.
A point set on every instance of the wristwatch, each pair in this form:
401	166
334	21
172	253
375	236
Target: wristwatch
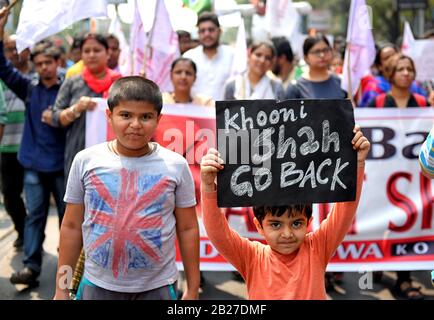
76	113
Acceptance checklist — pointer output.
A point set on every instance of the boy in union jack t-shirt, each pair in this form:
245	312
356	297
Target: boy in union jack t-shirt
127	200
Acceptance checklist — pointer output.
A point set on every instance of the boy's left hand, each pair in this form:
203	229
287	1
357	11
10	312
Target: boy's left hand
360	143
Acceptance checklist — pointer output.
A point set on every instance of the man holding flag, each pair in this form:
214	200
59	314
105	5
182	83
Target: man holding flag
41	150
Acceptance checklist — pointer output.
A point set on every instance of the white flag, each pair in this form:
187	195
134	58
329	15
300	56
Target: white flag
124	61
138	41
239	64
40	19
163	48
360	46
407	39
283	20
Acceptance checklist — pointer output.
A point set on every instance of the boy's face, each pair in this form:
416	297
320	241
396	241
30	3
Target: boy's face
134	124
284	234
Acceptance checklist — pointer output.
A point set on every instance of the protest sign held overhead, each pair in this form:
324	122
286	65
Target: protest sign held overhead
294	151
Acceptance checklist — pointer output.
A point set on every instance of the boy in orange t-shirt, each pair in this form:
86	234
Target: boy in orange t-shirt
292	263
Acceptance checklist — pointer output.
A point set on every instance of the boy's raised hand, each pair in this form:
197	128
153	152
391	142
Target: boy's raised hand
210	165
4	12
360	143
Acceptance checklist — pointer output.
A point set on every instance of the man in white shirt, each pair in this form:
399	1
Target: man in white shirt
213	60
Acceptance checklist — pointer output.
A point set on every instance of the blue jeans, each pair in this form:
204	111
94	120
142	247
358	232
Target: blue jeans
37	189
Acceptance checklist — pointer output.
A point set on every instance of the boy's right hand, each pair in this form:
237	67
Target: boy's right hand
210	165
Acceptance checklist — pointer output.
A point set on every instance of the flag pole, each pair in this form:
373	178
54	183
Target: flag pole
350	85
148	45
12	4
132	60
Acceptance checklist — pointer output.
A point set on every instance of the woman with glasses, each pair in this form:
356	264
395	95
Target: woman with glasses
319	82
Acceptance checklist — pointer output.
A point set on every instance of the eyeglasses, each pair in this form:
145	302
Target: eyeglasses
210	30
320	52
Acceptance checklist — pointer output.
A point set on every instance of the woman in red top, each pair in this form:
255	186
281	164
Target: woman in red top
400	72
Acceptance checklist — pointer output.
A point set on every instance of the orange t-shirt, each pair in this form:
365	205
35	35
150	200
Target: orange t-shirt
273	276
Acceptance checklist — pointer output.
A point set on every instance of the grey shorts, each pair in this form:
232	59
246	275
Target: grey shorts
88	291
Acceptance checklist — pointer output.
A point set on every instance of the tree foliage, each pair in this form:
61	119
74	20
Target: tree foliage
387	23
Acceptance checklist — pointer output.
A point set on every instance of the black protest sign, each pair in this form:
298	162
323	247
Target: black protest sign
279	153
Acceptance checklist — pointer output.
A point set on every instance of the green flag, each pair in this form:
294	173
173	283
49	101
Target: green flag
198	5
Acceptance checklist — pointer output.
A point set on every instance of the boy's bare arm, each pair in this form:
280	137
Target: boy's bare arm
71	242
228	242
187	230
333	230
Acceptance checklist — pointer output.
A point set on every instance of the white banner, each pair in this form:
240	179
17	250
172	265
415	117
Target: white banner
394	225
393	229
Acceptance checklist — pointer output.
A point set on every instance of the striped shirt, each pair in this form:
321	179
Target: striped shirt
426	155
12	111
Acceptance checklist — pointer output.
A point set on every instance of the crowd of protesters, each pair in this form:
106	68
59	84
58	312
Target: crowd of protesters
46	91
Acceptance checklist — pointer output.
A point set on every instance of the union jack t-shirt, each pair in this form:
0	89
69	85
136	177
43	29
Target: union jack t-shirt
129	224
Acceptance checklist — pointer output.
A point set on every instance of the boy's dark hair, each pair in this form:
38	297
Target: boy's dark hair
97	37
261	212
283	47
135	88
208	16
45	48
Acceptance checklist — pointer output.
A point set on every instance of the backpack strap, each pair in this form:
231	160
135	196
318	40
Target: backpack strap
420	100
380	100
